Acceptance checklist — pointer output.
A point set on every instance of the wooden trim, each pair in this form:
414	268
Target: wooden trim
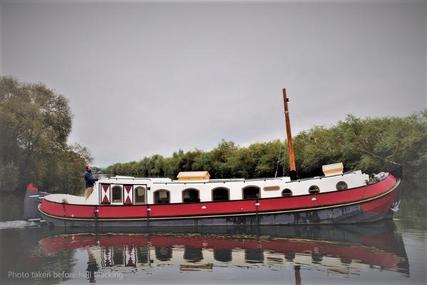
271	188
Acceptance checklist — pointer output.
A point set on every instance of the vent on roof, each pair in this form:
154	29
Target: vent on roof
193	176
333	169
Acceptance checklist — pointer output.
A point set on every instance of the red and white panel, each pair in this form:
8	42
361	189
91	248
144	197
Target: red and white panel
128	197
105	194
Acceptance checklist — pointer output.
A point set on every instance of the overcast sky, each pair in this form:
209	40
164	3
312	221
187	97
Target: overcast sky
145	78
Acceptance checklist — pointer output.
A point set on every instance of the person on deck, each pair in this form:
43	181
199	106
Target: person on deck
90	181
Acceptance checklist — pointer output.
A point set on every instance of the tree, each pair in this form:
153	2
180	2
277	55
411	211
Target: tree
367	144
35	123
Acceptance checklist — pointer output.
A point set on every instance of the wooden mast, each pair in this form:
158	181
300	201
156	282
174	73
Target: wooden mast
297	269
291	153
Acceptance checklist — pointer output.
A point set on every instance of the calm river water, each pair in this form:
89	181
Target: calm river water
392	252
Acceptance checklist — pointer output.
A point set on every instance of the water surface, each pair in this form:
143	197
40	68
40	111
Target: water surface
392	252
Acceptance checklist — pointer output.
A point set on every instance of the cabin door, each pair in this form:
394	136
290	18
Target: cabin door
140	194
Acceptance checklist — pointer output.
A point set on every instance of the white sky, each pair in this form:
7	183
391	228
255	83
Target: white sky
145	78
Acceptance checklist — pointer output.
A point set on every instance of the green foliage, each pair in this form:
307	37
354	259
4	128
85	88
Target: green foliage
34	124
413	203
367	144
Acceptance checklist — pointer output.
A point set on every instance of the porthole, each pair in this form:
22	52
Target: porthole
341	185
314	189
286	192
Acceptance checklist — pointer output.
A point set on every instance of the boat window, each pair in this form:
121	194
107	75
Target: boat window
286	192
163	253
254	255
142	254
316	257
117	194
222	255
251	192
341	185
118	254
140	195
290	256
314	189
193	254
220	194
190	196
161	197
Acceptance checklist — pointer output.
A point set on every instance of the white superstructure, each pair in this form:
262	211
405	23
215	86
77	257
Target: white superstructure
165	190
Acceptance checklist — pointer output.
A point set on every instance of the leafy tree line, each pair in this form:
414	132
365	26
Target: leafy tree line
34	126
35	123
365	144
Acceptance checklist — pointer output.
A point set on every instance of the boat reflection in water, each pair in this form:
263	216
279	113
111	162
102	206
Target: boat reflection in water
343	250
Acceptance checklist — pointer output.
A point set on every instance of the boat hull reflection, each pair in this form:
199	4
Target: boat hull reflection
341	250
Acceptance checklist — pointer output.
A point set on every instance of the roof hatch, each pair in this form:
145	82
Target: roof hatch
193	176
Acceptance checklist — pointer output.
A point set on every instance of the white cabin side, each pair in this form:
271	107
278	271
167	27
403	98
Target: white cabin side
238	189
